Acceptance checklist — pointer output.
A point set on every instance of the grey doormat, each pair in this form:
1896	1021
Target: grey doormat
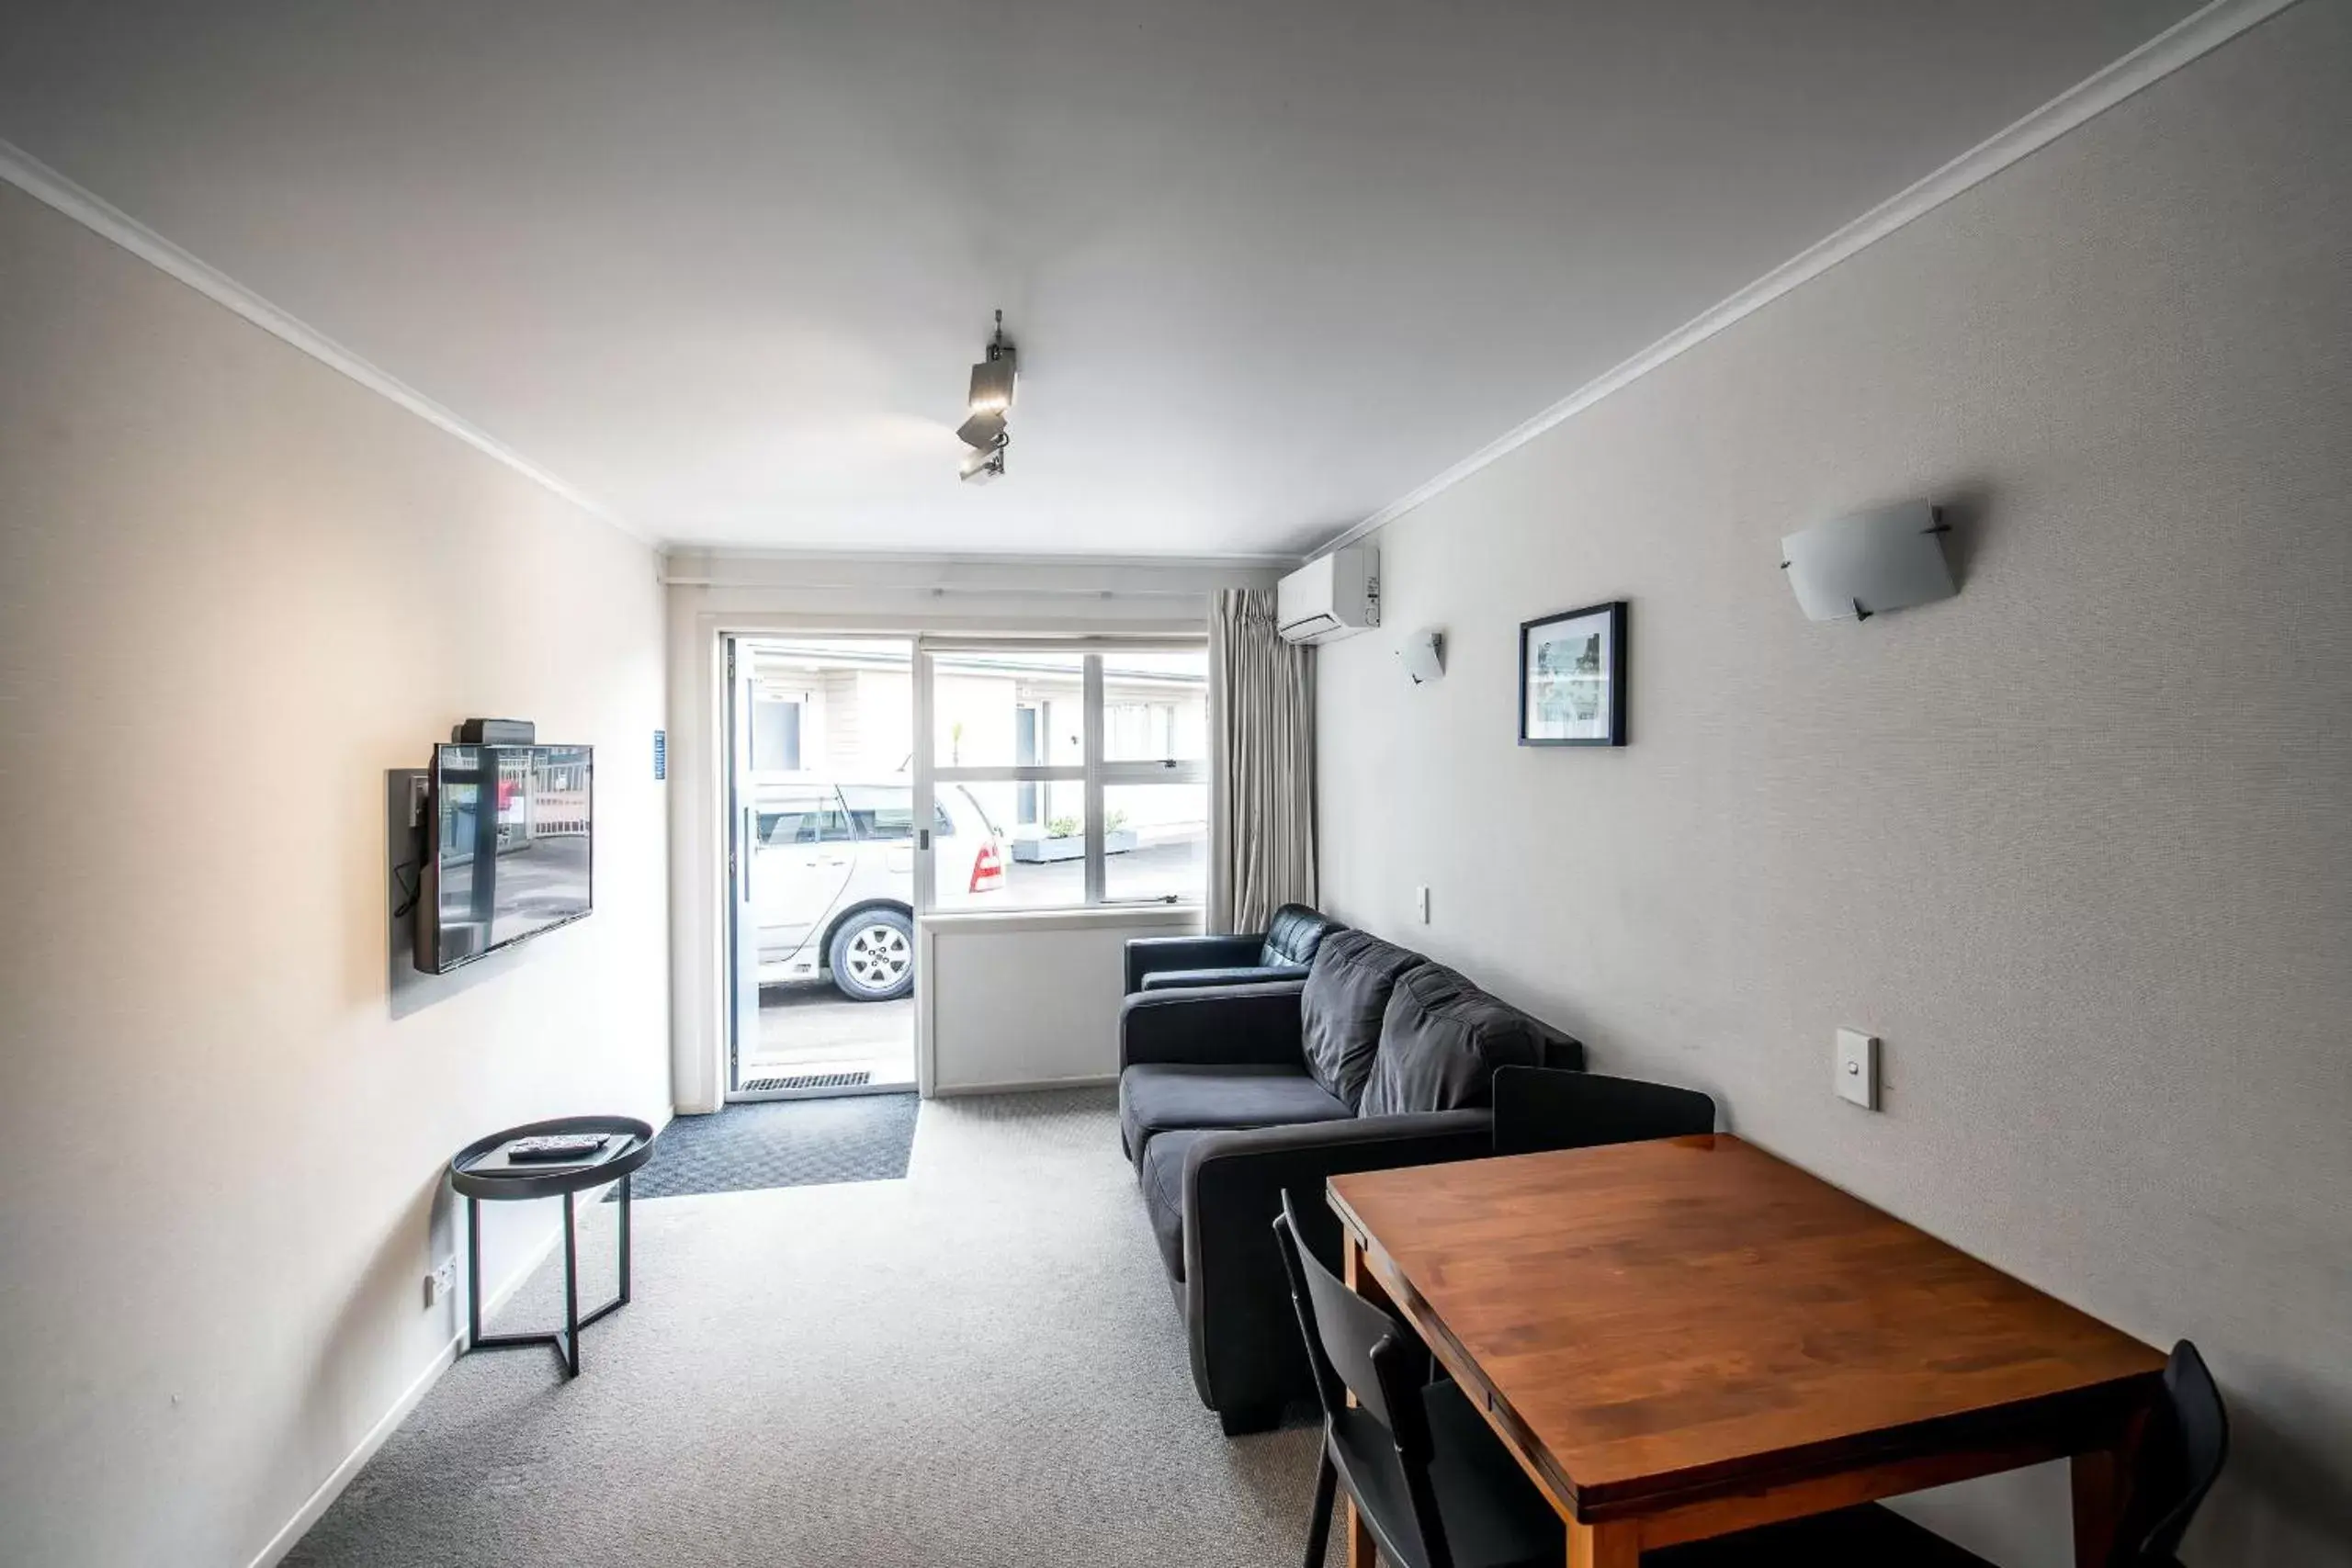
782	1143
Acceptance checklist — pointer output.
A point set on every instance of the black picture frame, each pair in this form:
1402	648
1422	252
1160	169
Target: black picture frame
1609	620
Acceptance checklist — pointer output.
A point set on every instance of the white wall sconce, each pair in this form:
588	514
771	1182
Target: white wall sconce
1856	567
1423	656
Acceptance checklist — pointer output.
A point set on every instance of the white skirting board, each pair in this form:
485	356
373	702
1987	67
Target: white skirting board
321	1500
1033	1086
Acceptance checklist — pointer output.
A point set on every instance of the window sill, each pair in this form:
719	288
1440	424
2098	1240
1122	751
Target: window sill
1188	917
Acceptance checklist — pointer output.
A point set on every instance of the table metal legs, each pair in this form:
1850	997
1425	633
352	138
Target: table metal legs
565	1341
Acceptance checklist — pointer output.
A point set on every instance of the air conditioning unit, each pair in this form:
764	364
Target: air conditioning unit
1331	598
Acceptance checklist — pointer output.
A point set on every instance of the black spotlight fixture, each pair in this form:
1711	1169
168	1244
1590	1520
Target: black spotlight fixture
988	405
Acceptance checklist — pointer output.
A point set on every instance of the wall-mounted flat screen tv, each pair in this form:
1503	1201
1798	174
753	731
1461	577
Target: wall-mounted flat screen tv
509	849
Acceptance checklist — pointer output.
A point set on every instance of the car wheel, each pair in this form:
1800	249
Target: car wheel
873	956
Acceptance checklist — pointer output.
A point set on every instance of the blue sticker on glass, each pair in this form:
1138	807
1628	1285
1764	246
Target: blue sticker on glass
660	754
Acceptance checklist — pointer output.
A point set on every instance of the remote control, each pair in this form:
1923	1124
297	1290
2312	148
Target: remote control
557	1145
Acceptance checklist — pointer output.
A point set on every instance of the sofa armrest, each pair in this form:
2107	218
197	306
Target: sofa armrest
1245	975
1247	1356
1148	954
1214	1025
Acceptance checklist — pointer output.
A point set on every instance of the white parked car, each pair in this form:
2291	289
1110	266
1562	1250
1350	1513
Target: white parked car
833	879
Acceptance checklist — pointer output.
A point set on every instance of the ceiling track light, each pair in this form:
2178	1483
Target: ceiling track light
989	402
982	430
985	463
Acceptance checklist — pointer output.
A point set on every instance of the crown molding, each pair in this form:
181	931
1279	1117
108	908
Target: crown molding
1070	576
918	556
2194	36
52	189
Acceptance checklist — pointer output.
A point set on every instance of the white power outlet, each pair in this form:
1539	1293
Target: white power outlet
1421	904
441	1282
1858	1067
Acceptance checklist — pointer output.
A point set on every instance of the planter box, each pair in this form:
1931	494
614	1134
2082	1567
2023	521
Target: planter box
1045	851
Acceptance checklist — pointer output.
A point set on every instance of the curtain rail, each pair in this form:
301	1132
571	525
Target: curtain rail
1172	643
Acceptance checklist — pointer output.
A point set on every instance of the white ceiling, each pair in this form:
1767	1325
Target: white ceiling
1270	263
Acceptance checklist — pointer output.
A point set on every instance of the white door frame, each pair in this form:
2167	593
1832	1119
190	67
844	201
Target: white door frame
697	685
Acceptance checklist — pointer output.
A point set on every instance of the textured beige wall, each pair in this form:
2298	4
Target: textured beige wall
234	589
2075	842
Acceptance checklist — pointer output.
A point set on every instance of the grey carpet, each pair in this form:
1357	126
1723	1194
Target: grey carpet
976	1367
782	1143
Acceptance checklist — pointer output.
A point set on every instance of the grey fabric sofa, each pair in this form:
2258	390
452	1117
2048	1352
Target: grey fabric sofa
1282	952
1230	1095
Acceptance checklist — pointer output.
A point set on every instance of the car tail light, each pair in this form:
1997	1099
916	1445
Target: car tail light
987	871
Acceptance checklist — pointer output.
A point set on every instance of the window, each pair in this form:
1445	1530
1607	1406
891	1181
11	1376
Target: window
888	811
1010	709
775	736
802	816
1155	842
1155	706
1027	726
1089	764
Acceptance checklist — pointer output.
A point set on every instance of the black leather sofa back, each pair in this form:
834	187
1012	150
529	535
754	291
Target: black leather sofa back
1282	952
1293	935
1441	1041
1346	998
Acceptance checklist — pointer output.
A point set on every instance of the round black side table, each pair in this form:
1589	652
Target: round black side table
481	1172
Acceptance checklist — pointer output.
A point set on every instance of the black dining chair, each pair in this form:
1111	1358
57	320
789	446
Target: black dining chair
2187	1445
1551	1108
2178	1464
1430	1479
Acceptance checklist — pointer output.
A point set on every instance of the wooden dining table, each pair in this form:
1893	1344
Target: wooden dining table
1681	1338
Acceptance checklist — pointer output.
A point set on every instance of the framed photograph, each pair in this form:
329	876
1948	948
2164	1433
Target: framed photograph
1571	678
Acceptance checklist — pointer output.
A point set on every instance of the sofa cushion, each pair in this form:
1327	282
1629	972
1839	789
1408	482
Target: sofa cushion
1250	974
1161	1176
1441	1042
1156	1097
1293	935
1346	994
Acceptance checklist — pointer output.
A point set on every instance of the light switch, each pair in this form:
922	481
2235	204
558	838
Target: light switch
1858	1069
1421	904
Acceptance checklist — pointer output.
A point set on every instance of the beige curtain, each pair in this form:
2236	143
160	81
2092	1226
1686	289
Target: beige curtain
1261	764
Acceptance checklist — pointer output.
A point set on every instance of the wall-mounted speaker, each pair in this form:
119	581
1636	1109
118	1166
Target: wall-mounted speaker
493	732
1854	568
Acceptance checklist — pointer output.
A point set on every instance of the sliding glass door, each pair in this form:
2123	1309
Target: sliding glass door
821	857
